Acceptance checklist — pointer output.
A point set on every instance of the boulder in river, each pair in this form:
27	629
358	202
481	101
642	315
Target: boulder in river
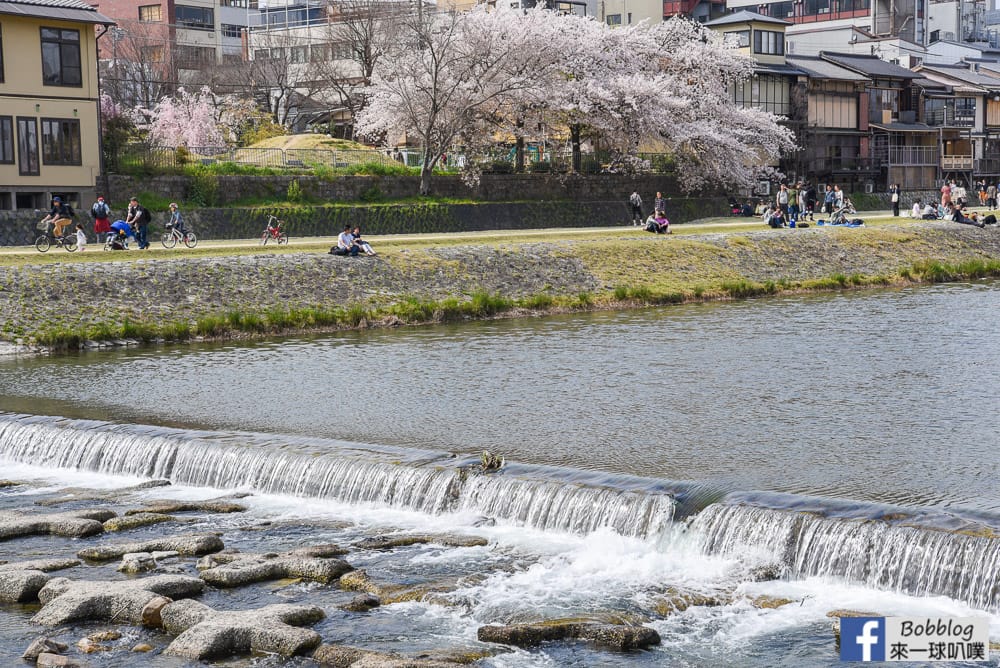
615	636
204	633
41	646
21	586
136	521
44	565
73	524
344	656
238	569
65	600
390	542
223	504
72	494
191	545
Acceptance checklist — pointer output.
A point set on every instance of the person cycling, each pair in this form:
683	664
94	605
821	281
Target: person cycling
60	216
176	220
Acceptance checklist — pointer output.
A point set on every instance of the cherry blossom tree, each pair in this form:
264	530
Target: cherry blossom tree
188	119
445	74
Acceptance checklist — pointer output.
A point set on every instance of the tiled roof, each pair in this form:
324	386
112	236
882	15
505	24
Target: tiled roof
745	16
77	11
871	66
817	68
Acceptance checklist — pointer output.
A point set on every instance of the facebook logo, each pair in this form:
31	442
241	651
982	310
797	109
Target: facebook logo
862	638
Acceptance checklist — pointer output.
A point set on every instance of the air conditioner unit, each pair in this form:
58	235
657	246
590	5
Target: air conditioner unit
869	187
763	188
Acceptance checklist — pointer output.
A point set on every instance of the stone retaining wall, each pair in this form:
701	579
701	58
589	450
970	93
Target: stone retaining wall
18	228
492	187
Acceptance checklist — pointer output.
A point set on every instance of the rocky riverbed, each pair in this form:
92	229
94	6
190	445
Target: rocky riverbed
133	299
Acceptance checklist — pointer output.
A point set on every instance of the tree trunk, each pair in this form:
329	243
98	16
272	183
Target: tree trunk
574	138
519	148
426	170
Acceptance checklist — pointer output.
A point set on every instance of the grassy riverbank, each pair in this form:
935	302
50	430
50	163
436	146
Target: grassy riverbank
246	292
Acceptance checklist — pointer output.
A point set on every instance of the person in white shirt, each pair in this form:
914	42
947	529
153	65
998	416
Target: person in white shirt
915	213
81	237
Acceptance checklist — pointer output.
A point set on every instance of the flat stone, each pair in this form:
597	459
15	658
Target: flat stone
359	580
615	636
204	633
88	646
143	647
166	555
679	600
770	602
65	601
151	614
362	603
9	483
343	656
194	545
448	540
44	565
137	562
238	569
74	524
21	586
104	636
222	504
137	520
43	645
70	494
47	660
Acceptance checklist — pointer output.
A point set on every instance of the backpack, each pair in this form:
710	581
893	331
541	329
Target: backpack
100	210
145	216
990	220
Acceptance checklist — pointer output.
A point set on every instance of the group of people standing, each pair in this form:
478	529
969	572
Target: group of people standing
657	220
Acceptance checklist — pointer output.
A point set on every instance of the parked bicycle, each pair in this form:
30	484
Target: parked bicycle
46	240
274	232
173	235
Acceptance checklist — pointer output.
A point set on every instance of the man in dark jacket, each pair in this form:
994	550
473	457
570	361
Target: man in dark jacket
138	217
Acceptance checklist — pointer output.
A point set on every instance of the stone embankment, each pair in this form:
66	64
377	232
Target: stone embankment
135	299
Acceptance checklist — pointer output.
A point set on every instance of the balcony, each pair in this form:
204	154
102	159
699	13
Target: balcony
957	163
986	166
908	156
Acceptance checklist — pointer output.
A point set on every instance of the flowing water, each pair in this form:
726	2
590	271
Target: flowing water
847	443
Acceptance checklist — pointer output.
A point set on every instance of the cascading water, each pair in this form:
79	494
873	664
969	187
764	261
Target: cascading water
906	559
433	485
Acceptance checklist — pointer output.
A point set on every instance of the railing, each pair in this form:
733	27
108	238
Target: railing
950	118
140	156
912	155
143	158
841	164
957	162
987	166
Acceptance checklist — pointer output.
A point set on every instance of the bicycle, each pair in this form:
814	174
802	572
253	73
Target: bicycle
170	238
274	231
47	239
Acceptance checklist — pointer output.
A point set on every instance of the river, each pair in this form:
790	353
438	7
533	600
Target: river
646	451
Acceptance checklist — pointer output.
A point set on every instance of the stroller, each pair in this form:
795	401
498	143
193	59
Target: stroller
735	208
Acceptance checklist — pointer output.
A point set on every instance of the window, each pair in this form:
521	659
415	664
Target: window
765	91
194	57
741	37
151	13
154	54
6	140
27	146
61	57
242	4
769	42
196	18
61	141
614	19
230	30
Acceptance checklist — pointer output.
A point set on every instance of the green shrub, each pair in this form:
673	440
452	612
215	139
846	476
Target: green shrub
182	155
372	194
540	167
294	193
204	188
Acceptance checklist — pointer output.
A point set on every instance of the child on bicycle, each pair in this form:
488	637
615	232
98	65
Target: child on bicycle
176	220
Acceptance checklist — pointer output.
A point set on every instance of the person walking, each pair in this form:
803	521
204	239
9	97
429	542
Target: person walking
138	217
894	196
635	207
81	238
101	213
991	196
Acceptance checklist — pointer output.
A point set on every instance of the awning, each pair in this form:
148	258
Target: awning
903	127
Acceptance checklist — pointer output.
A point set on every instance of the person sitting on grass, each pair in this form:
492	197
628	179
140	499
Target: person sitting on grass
345	244
365	247
916	211
930	212
657	223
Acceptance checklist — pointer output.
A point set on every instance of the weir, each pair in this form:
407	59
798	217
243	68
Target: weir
433	487
876	553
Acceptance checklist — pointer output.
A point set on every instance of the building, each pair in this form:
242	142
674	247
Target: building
49	90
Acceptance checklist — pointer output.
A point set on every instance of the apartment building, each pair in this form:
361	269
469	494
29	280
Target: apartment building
49	128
